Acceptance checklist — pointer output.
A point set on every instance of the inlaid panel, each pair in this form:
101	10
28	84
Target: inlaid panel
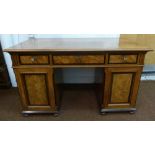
66	59
92	59
34	59
121	85
118	59
79	59
36	89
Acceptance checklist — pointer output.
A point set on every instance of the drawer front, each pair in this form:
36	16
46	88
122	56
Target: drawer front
34	59
66	60
92	59
82	59
122	59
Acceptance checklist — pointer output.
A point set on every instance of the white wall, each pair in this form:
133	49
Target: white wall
70	75
8	40
76	35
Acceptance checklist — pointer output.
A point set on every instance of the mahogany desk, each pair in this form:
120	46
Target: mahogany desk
35	62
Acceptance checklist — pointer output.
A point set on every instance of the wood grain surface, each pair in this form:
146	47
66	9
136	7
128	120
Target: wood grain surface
33	59
122	58
36	89
121	88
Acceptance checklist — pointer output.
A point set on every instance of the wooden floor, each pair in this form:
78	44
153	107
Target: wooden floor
80	105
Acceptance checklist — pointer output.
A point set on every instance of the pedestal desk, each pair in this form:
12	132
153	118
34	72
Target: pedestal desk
35	62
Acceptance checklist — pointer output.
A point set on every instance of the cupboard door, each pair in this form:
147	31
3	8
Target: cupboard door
36	88
121	87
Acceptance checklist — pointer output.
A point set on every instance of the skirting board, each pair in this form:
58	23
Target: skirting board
145	77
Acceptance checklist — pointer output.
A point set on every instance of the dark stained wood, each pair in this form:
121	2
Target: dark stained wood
66	60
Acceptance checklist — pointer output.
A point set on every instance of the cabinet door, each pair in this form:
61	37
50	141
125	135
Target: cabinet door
36	88
121	87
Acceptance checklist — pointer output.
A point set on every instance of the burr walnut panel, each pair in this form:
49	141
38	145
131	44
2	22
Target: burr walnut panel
79	59
121	87
122	59
36	89
66	59
34	59
92	59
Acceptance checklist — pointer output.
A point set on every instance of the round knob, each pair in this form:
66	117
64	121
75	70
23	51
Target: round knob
125	58
33	59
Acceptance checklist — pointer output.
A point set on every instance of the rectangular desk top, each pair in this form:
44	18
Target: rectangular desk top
76	44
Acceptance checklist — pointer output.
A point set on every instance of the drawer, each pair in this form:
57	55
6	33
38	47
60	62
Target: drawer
34	59
123	59
79	59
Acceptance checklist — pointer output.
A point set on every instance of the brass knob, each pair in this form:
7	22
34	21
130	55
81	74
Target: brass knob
125	58
33	59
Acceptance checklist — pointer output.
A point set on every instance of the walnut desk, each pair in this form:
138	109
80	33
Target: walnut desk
35	62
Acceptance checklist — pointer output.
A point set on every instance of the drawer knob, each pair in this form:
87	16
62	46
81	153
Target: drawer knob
125	58
33	59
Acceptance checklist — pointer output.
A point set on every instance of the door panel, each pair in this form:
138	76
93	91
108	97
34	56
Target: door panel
79	59
36	88
121	87
121	84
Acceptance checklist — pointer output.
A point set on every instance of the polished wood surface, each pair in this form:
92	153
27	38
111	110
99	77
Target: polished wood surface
121	84
33	59
35	63
80	59
78	44
122	59
121	87
36	88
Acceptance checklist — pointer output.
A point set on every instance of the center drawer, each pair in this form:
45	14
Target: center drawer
79	59
34	59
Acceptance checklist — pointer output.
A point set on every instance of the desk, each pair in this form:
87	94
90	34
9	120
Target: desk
35	62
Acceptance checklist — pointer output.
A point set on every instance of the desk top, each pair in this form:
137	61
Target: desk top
76	44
